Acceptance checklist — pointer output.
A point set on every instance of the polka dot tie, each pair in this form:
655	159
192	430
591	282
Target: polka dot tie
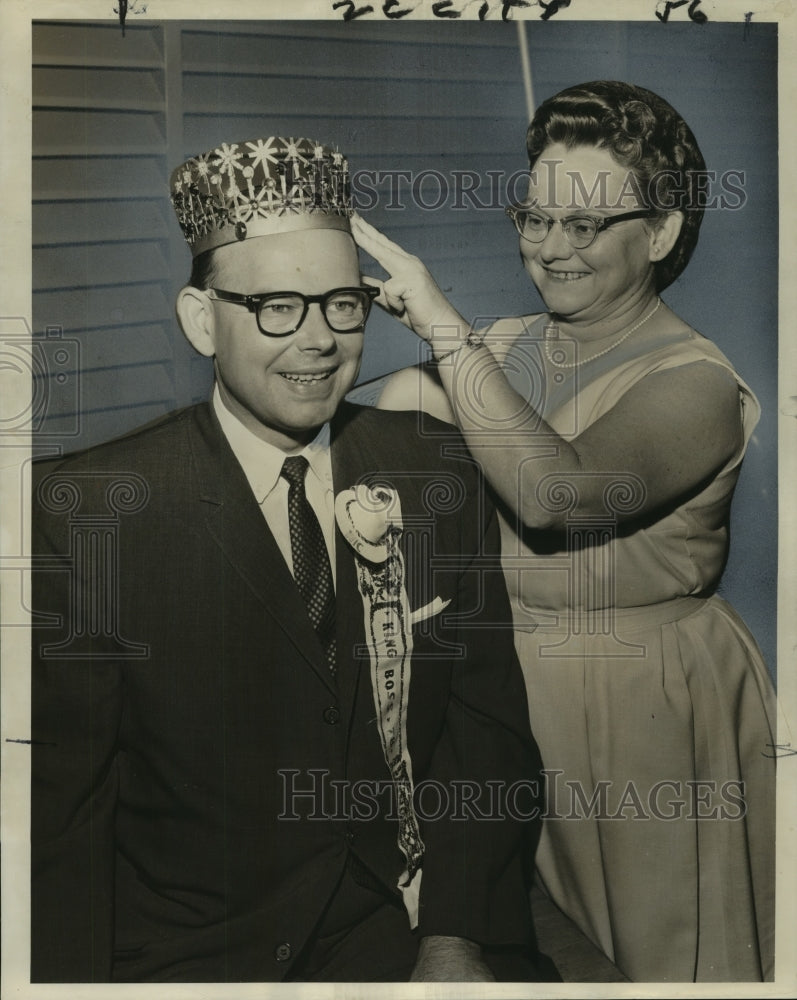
311	569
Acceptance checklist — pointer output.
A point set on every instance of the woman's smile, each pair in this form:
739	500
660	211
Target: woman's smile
559	274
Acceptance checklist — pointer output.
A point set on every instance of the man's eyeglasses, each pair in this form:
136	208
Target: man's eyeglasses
281	313
580	230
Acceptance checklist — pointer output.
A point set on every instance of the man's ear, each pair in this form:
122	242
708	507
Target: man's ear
197	319
664	234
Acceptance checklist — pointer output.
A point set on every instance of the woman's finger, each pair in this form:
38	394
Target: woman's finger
390	298
409	293
394	293
373	282
389	254
386	299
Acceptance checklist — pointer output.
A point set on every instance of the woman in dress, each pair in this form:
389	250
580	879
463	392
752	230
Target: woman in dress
612	434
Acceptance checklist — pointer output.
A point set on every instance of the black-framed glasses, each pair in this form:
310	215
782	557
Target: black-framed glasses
580	230
281	313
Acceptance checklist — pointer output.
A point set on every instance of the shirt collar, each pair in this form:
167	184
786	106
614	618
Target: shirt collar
261	461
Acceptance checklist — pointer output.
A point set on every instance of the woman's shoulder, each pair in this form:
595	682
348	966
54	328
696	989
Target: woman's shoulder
417	387
502	334
511	326
677	360
685	346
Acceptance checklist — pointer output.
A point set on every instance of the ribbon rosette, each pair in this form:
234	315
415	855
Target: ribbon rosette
370	521
364	516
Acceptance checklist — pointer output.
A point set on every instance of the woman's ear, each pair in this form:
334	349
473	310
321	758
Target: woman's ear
197	319
664	234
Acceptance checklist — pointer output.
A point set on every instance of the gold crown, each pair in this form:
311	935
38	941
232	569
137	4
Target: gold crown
258	187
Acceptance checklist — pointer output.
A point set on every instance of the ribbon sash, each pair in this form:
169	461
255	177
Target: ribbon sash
388	636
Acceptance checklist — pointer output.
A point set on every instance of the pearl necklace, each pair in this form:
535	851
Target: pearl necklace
551	332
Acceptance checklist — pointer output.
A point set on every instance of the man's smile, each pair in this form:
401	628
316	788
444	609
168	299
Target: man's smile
308	377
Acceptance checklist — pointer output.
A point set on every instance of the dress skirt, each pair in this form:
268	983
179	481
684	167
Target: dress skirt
656	728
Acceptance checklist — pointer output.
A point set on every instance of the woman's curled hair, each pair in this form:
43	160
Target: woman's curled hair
644	134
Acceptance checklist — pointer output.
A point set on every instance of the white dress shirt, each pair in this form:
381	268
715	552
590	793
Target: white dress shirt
262	464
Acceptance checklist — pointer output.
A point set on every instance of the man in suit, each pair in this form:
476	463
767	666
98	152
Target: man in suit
273	743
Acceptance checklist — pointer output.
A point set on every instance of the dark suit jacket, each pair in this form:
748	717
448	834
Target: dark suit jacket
181	700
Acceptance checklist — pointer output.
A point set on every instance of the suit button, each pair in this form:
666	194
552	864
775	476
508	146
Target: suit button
282	952
331	715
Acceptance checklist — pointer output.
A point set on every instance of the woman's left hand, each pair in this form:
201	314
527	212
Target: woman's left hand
410	293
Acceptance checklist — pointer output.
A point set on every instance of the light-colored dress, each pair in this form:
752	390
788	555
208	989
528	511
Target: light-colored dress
650	701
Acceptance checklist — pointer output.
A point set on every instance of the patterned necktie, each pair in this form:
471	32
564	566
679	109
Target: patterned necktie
311	569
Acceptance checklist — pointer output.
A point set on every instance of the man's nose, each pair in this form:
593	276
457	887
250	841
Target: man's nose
315	333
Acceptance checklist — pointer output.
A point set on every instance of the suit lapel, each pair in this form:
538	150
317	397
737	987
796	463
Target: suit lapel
349	457
236	524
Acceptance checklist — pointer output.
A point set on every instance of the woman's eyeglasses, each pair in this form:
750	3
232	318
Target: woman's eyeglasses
580	230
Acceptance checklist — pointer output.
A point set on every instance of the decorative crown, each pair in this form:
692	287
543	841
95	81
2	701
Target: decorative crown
258	187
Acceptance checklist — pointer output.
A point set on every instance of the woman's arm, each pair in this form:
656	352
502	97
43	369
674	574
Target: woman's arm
665	437
417	388
670	432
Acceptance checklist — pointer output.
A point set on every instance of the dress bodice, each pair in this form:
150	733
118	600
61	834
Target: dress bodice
681	551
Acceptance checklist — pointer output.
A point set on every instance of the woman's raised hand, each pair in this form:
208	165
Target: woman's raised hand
410	293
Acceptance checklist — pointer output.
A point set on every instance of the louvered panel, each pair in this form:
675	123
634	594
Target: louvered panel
64	43
418	99
93	88
101	307
630	51
119	347
89	178
460	191
84	222
634	43
414	160
331	35
390	137
100	264
459	241
114	389
275	55
68	132
92	266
